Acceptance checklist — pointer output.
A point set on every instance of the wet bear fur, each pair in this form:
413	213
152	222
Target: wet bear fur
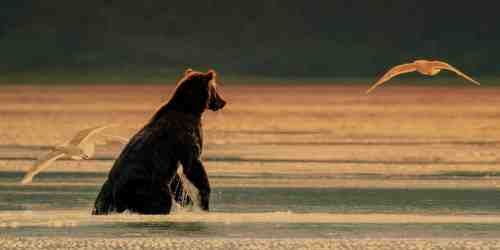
144	177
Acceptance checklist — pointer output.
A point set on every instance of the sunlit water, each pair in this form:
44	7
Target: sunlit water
310	209
45	209
292	180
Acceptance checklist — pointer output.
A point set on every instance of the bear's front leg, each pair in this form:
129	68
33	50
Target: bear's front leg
195	172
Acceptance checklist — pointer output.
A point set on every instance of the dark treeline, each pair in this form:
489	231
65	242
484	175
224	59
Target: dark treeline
268	38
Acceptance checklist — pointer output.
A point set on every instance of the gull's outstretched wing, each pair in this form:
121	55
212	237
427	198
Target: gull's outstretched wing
443	65
395	71
82	136
115	138
40	165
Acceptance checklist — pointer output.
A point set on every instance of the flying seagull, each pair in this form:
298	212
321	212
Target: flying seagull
79	148
423	67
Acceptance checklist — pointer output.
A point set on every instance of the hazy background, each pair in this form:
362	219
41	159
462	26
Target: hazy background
150	40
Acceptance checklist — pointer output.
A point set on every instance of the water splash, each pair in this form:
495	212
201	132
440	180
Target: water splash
189	191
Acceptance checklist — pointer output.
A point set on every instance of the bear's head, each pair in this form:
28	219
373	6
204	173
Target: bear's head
196	92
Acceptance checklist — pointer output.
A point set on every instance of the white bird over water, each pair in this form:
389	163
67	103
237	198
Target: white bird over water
423	67
79	148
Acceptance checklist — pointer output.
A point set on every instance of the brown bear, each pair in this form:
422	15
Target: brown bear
144	177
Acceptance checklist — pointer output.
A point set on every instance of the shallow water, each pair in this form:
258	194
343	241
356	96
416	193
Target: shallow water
323	176
54	211
49	207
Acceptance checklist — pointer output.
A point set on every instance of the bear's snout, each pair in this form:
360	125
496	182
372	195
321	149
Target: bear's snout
217	102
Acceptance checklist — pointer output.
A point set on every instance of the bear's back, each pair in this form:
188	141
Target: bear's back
160	138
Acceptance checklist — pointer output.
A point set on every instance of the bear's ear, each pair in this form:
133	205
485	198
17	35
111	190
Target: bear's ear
187	71
211	74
